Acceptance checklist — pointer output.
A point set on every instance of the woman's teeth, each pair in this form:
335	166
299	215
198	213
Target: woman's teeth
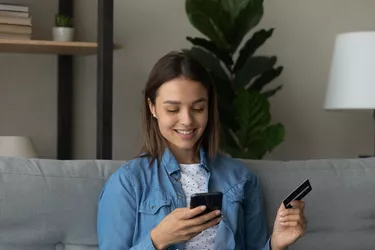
184	132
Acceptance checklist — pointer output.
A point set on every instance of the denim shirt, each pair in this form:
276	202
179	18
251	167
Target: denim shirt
138	196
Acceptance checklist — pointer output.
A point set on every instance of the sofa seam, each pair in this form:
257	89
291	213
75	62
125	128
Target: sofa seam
55	176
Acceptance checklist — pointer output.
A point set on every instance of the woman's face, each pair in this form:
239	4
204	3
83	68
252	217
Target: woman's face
181	110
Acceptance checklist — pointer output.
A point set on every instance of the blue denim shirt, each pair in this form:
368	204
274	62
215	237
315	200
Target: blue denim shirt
138	196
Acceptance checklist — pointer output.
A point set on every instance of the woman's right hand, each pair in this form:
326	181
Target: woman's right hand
182	225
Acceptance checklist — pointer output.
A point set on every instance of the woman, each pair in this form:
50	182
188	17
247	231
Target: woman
145	204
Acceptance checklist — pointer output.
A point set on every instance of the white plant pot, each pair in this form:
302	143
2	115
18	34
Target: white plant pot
63	34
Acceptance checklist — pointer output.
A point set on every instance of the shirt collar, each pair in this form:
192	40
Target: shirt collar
171	165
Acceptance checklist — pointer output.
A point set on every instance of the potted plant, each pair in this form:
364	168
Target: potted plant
242	79
63	30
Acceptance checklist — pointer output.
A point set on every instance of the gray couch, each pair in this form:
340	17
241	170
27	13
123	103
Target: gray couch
50	204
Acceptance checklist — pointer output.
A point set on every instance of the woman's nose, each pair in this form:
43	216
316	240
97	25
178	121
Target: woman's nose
186	118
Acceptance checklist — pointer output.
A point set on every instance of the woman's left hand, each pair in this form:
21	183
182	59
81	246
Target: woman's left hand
289	226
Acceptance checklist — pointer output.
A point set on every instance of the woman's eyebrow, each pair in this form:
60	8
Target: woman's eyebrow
200	100
178	102
171	102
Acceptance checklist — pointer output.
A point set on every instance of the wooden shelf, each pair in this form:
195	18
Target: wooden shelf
49	47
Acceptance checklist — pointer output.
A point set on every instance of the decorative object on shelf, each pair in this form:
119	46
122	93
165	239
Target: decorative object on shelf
352	78
63	30
243	82
15	22
17	146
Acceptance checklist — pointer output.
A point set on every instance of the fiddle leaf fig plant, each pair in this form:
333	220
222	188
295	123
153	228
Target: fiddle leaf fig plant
242	79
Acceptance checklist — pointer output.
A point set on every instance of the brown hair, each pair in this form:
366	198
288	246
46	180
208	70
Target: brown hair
174	65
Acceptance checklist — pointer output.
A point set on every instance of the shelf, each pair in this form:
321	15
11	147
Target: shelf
49	47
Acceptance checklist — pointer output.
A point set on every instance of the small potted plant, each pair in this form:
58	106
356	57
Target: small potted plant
63	30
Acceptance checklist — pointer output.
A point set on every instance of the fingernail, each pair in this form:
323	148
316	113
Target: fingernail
217	212
203	208
282	214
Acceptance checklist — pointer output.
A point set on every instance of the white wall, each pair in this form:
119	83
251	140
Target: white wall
303	41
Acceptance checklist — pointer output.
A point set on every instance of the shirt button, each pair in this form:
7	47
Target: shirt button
180	197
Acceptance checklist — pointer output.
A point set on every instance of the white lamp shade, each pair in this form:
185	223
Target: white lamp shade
352	78
17	146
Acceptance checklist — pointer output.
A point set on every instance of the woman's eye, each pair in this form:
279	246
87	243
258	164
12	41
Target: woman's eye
199	110
172	110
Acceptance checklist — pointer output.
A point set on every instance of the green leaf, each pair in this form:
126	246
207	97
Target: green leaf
246	19
257	40
211	19
264	143
252	114
255	136
208	61
210	46
272	136
253	67
234	6
63	21
266	78
272	92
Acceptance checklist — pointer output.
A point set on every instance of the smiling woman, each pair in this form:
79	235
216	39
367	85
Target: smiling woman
145	204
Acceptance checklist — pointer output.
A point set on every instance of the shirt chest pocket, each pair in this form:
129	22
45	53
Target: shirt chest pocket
152	210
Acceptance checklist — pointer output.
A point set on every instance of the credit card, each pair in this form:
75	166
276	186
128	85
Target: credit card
298	193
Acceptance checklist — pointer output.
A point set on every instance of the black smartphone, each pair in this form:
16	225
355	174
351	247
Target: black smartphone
213	201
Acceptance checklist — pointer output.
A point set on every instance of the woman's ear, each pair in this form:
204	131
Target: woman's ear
151	107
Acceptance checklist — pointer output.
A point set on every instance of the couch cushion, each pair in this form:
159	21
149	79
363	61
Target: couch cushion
50	204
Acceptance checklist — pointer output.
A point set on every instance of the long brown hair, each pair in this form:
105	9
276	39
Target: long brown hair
174	65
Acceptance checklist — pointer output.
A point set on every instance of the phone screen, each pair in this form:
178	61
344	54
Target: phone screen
213	201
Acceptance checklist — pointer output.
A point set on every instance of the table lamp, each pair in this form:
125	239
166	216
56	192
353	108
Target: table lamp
352	78
17	146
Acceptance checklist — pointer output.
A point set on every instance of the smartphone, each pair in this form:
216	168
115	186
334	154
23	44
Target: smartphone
213	201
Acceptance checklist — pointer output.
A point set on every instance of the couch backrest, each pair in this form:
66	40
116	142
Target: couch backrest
341	207
51	204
